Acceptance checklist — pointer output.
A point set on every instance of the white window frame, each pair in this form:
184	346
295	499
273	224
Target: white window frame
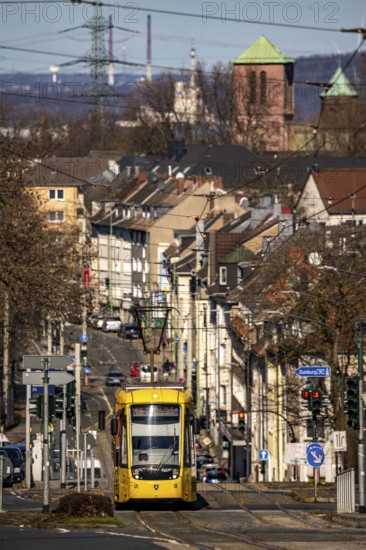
59	195
59	216
223	275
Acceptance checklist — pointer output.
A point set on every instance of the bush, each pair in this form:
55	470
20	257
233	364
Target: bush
86	505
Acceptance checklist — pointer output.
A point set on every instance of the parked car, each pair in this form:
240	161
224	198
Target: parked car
135	370
115	377
203	459
205	468
130	332
96	320
217	475
15	455
8	469
145	373
111	324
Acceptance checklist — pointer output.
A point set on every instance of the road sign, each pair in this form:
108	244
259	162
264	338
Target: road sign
54	361
7	466
295	453
339	441
57	378
84	338
263	454
39	390
313	371
86	370
313	446
315	457
86	438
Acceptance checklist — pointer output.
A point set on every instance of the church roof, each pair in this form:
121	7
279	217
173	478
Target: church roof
340	86
262	52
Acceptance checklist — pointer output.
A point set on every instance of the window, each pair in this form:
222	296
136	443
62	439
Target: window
263	87
252	87
222	275
56	216
56	194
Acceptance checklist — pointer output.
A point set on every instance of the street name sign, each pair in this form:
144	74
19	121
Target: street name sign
57	378
54	361
313	371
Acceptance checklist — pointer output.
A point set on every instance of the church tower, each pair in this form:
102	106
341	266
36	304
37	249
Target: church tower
263	90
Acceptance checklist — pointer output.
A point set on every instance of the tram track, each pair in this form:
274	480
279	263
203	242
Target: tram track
200	537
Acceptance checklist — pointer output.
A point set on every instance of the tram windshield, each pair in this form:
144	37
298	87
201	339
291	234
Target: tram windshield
155	431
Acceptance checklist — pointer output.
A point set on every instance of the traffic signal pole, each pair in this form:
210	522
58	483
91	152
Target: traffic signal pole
46	458
361	446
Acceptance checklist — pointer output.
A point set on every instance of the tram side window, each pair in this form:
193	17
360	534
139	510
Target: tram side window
123	454
187	442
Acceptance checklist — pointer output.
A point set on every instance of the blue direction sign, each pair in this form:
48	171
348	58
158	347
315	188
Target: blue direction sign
86	370
315	455
263	454
313	371
84	338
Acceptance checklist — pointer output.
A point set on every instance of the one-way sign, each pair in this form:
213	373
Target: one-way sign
54	361
313	371
57	378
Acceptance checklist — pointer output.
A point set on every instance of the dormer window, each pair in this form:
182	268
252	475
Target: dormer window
223	275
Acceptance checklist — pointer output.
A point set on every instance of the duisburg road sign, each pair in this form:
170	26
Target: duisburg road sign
313	371
54	361
57	378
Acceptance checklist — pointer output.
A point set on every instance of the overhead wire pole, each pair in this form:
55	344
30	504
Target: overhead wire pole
46	458
77	410
361	442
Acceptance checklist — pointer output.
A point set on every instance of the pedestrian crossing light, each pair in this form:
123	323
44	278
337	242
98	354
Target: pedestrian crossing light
241	423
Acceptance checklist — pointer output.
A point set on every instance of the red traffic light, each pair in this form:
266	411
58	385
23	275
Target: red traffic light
316	394
305	394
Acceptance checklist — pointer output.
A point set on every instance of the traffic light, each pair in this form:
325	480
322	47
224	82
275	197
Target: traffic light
316	402
55	405
35	406
84	354
107	283
101	420
70	398
352	402
263	467
241	422
306	394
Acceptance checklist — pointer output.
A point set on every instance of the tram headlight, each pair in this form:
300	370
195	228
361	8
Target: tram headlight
175	473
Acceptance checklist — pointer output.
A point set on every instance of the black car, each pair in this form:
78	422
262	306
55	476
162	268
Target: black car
130	332
16	457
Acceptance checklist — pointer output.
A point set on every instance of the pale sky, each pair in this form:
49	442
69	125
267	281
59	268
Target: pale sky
37	26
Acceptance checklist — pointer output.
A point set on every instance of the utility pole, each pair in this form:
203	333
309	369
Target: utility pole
361	442
6	359
77	410
46	458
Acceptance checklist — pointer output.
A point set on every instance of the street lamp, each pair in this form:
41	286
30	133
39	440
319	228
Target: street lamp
152	321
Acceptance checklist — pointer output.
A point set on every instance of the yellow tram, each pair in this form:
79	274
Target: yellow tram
153	443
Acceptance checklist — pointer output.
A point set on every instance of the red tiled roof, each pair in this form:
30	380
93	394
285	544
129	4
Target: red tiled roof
342	190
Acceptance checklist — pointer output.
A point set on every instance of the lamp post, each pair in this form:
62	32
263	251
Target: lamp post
152	321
